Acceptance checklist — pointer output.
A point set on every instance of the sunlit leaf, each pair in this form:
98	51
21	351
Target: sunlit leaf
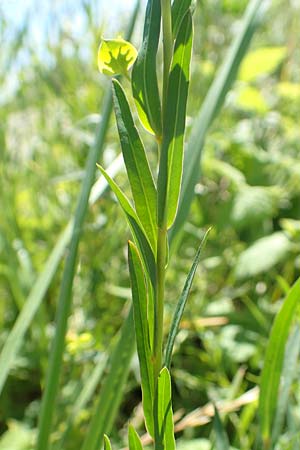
134	440
107	445
164	428
116	56
273	364
179	9
170	171
144	78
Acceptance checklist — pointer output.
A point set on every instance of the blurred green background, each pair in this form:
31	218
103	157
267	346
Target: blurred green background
51	95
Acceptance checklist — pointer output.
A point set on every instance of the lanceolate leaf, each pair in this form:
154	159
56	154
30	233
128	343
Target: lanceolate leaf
182	302
135	227
134	440
138	170
222	442
164	428
170	172
210	108
144	78
139	298
107	445
179	9
271	373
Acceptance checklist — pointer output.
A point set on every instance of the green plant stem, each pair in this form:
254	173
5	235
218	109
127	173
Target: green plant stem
167	44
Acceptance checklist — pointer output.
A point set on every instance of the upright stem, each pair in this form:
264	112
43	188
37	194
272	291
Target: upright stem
167	44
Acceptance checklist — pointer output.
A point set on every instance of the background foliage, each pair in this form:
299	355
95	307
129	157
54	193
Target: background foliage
248	192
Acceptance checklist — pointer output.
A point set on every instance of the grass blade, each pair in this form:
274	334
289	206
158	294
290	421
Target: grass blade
164	428
289	373
170	171
65	295
272	369
210	108
140	307
222	442
138	170
182	302
179	9
144	78
134	440
112	389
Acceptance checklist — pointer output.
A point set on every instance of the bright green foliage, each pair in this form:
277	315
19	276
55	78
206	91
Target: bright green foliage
133	439
144	76
271	373
170	171
116	56
140	306
261	62
138	170
107	445
164	428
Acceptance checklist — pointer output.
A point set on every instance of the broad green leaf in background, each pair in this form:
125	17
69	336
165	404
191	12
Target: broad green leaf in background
164	428
144	77
211	106
113	387
179	9
138	170
140	307
271	373
222	442
250	98
133	439
261	61
107	445
264	254
181	303
116	56
135	227
170	171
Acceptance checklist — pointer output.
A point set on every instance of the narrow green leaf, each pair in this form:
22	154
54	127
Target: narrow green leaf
138	170
112	390
170	171
182	302
289	374
164	427
272	369
140	307
210	108
222	442
135	227
107	445
134	440
144	78
179	9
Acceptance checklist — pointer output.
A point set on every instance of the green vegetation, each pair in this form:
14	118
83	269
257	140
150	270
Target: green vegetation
219	167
